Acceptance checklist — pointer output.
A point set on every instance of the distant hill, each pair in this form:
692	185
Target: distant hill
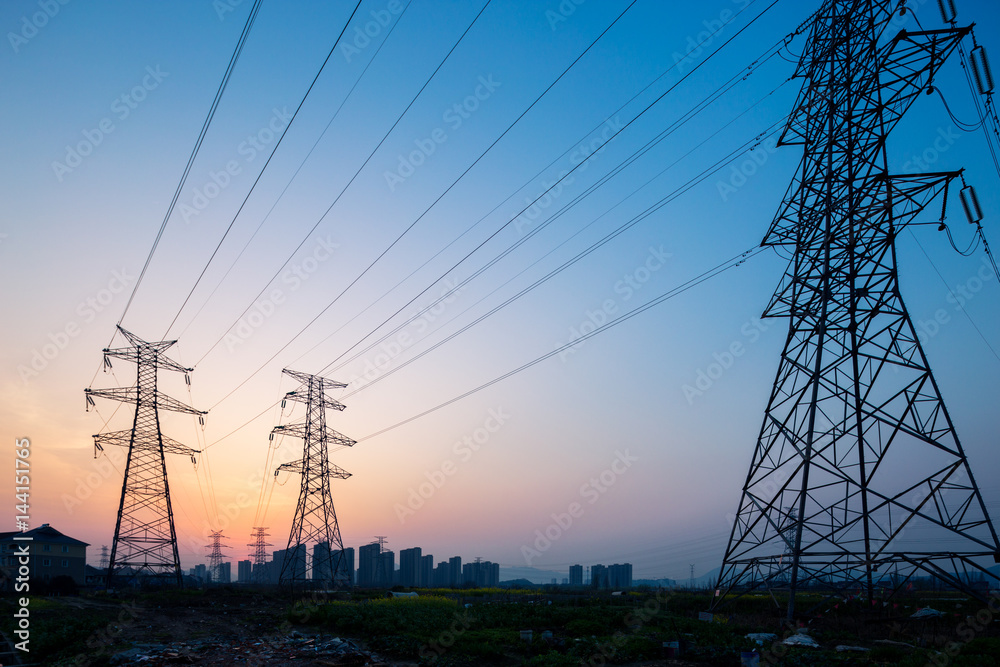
532	574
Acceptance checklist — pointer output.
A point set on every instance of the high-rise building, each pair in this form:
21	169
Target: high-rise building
410	567
442	575
611	576
297	566
386	573
225	572
426	571
576	575
244	570
368	561
598	576
345	568
481	573
455	565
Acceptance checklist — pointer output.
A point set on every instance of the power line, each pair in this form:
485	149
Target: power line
559	181
294	175
398	238
262	170
344	189
759	61
194	153
711	273
600	243
798	30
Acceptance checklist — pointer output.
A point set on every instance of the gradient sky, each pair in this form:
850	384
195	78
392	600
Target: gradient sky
73	241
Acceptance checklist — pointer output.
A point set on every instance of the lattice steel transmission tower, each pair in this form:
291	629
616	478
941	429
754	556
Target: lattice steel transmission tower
259	555
216	556
104	556
858	479
145	542
315	518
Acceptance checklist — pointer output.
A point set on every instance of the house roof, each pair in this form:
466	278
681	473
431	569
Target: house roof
44	533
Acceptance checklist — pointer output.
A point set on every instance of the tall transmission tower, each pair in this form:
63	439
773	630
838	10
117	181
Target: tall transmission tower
104	556
259	555
858	478
145	542
215	558
315	518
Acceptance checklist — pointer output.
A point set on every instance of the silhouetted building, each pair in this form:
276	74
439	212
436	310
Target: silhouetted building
576	575
368	563
427	570
410	567
244	570
51	554
295	569
345	567
455	565
442	575
481	573
225	572
611	576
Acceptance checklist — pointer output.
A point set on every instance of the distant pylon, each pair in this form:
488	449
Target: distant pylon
145	542
315	518
216	556
104	556
858	480
259	555
383	573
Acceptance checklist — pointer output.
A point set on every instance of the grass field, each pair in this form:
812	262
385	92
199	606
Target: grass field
484	627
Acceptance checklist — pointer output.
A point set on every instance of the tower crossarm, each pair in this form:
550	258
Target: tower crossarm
305	379
131	395
301	430
300	466
123	438
301	396
133	354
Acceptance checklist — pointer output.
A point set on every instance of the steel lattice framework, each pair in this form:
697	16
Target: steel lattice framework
315	519
259	554
858	479
216	557
145	543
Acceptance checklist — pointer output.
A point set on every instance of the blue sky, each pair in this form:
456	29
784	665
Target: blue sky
76	234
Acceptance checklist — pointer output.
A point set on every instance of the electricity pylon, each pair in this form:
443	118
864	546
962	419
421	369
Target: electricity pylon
858	479
259	555
145	542
315	518
216	556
